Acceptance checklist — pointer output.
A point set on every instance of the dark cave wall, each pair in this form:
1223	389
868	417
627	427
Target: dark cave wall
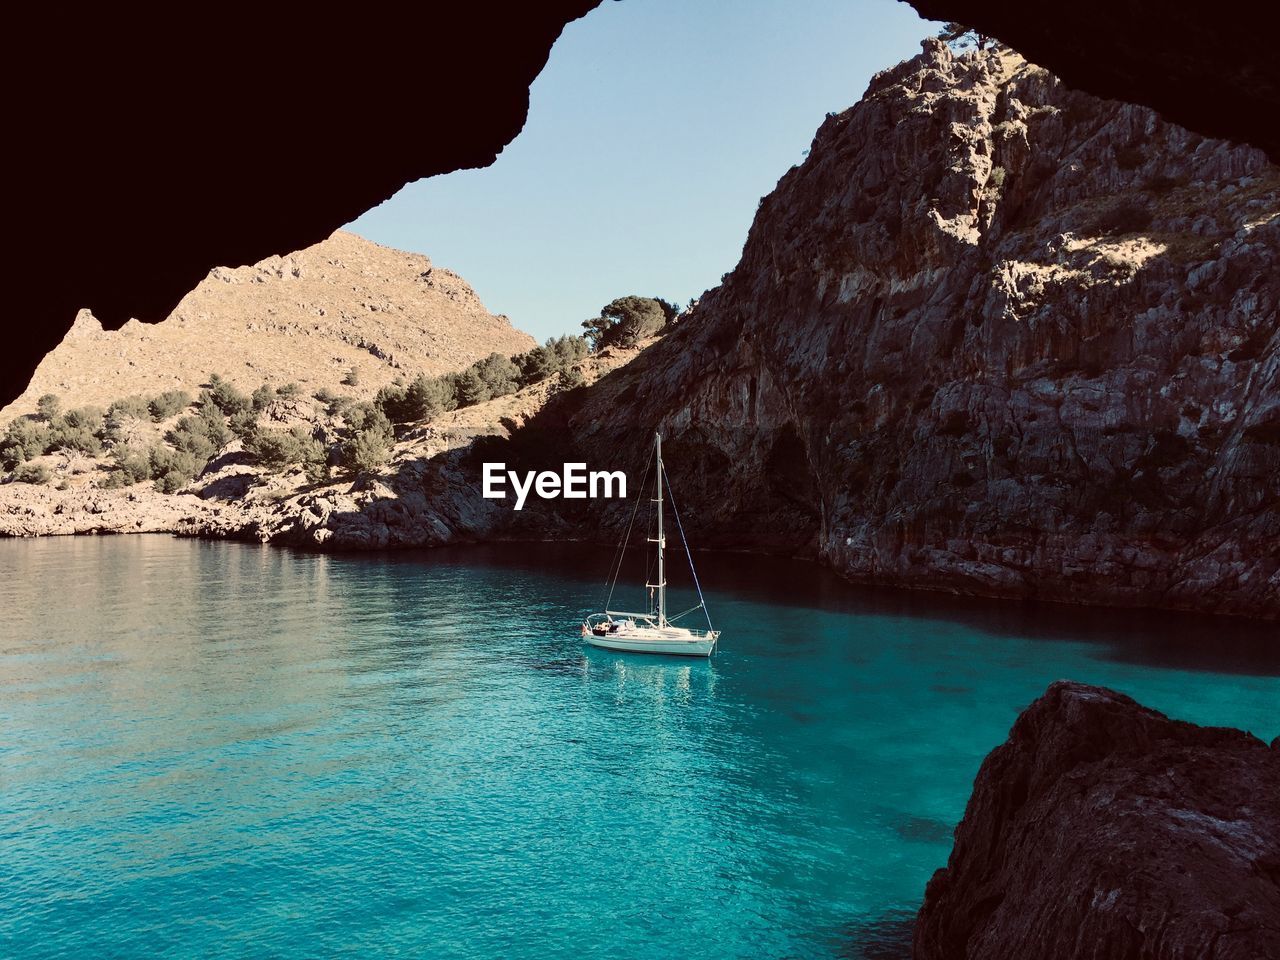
146	152
149	152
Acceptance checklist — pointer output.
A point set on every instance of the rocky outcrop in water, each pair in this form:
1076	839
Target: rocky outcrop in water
993	336
27	510
1104	829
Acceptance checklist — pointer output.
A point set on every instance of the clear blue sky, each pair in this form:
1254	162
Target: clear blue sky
653	131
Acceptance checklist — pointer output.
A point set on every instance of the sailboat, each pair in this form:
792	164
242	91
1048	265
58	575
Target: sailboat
652	632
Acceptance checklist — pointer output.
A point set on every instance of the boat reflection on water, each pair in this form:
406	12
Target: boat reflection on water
661	680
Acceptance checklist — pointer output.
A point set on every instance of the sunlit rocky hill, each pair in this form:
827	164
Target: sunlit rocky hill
308	318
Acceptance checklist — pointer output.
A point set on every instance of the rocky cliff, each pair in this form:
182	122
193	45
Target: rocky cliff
309	317
1104	829
992	336
1212	69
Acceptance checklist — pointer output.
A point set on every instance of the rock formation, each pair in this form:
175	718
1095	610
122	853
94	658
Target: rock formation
325	117
28	510
310	317
1101	828
992	336
1212	69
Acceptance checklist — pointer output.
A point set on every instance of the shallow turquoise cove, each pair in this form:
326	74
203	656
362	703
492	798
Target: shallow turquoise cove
221	750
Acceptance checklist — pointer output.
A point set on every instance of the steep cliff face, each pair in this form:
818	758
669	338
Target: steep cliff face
1104	829
1210	68
993	336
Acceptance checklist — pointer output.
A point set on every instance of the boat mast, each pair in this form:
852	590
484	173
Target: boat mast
661	540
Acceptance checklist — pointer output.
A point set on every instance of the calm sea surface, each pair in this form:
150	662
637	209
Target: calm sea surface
220	750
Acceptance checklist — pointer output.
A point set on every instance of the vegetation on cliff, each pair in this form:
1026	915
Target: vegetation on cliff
172	437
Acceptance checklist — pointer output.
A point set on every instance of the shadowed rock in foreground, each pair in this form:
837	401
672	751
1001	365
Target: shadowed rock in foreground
1104	829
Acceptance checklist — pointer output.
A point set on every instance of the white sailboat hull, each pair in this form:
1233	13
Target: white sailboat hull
671	641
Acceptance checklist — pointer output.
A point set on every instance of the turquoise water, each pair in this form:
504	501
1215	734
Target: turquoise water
221	750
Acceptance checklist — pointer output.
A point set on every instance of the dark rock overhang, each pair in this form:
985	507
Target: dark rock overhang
145	152
1212	68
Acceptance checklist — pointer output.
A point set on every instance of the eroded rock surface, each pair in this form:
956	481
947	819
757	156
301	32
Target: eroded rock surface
992	336
1212	69
1101	828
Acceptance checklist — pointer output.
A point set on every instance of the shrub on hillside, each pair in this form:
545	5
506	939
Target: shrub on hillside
569	349
536	365
24	438
49	407
423	399
625	322
499	375
201	435
133	406
391	400
277	449
494	376
122	425
167	404
31	473
63	435
471	388
261	397
244	425
226	397
428	397
557	354
367	444
87	418
130	466
172	469
340	406
367	450
289	391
